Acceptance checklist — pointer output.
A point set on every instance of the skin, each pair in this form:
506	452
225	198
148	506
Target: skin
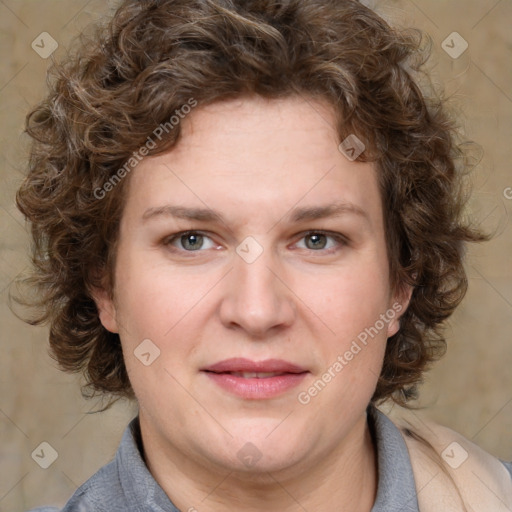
254	161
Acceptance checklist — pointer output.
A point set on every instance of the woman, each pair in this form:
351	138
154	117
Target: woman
247	217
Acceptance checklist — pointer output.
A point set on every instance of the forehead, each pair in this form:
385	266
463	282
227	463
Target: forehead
256	155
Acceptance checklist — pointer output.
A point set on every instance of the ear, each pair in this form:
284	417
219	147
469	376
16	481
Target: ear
399	304
106	309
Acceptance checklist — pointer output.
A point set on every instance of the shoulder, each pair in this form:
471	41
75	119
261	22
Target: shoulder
44	509
101	493
123	485
450	470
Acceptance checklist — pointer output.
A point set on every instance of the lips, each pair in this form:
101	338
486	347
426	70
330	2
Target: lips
242	365
255	380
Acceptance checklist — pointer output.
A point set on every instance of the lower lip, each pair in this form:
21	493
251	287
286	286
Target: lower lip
257	389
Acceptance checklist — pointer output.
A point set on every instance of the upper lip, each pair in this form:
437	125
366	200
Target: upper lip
240	364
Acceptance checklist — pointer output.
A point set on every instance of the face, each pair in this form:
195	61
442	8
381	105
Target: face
252	256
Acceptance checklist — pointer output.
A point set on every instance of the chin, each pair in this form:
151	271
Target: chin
261	448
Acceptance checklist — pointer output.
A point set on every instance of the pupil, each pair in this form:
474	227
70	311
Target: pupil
191	241
317	241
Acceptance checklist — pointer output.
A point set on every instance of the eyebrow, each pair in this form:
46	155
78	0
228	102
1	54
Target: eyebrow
330	210
181	212
295	215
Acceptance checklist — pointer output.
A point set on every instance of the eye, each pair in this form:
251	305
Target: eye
190	241
319	240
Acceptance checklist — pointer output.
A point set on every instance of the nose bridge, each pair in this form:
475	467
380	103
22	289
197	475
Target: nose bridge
256	300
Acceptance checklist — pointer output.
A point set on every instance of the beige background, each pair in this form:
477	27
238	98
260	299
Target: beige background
470	390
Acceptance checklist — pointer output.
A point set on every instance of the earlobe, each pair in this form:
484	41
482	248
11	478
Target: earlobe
399	306
106	309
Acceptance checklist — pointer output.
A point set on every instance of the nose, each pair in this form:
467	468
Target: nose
256	297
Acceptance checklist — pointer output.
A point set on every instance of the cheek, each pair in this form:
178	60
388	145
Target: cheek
153	300
169	309
156	316
350	303
349	300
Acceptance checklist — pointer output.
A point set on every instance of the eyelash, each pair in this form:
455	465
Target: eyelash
339	239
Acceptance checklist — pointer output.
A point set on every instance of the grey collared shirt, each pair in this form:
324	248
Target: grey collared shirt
126	485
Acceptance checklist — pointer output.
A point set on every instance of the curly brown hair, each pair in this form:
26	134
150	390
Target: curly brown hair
107	98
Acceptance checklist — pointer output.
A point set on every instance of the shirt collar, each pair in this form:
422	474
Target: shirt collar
141	490
396	489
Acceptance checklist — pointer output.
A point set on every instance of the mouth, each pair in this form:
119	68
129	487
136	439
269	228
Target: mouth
255	380
256	375
267	367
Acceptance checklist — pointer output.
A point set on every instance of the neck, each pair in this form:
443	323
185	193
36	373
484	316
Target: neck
343	479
